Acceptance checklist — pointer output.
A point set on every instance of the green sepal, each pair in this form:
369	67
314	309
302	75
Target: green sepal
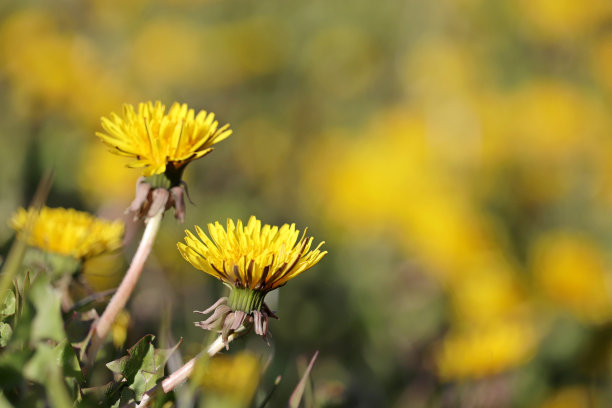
246	300
170	178
56	265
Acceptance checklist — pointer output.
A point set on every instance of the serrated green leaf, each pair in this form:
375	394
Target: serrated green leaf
146	375
129	365
7	308
127	397
47	324
67	359
38	367
162	355
143	366
152	370
105	395
6	331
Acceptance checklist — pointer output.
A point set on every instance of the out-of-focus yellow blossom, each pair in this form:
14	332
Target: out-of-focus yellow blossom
51	67
446	232
160	141
562	19
251	260
553	136
485	350
601	61
572	272
570	397
36	56
117	182
375	176
70	232
391	175
234	52
119	329
440	67
489	292
233	379
158	61
104	272
551	121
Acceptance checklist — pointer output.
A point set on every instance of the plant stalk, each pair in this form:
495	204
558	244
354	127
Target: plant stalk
180	375
100	330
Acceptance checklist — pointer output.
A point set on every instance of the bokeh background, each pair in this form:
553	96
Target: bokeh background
454	155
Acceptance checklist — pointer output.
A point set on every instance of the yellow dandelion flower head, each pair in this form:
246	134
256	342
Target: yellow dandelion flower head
251	256
70	232
485	350
160	140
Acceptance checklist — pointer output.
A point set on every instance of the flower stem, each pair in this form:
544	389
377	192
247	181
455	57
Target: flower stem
100	329
180	375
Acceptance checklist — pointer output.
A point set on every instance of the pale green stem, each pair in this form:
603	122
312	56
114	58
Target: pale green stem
179	376
118	301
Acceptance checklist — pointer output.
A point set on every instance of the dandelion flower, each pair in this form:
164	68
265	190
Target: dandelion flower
251	260
162	144
70	233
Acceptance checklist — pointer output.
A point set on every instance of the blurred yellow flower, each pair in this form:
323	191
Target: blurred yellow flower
211	56
35	56
120	328
71	233
105	271
551	120
393	175
234	379
157	61
601	60
571	397
484	350
252	260
117	184
557	19
159	141
489	291
50	67
572	272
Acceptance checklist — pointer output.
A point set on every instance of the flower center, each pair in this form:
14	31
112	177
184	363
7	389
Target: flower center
246	300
